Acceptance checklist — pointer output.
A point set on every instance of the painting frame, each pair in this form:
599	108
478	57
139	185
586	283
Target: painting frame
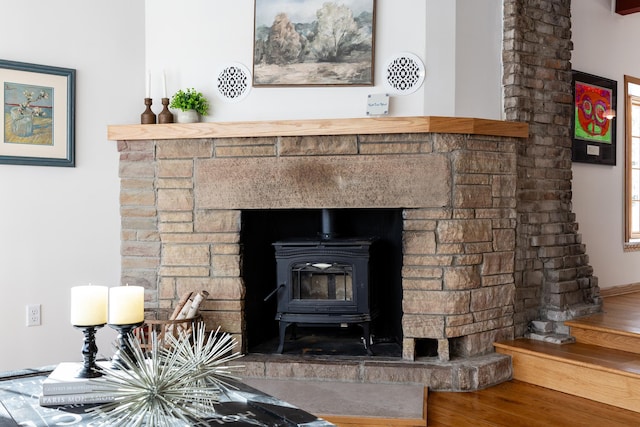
289	48
39	114
593	119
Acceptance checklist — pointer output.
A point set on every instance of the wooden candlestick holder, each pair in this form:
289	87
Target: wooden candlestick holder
148	117
165	115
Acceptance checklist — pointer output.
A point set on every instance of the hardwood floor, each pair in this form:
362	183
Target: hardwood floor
607	343
518	404
620	312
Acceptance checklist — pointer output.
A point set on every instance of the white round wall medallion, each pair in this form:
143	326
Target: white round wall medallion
233	82
404	74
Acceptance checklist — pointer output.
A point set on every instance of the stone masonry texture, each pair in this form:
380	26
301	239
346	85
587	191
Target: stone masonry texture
455	191
552	275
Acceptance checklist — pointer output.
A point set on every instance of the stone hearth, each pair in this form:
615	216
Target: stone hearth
184	187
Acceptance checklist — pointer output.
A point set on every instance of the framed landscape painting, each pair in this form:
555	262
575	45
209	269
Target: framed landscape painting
314	43
39	108
594	119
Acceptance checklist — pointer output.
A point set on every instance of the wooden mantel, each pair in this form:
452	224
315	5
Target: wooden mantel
357	126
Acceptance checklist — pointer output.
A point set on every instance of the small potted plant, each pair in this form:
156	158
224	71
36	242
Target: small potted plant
190	105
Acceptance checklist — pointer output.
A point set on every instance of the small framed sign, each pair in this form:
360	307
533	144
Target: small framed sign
593	124
378	104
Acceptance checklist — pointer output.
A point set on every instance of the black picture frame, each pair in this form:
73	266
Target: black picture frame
593	119
39	114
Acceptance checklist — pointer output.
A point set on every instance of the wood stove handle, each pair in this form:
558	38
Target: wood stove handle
273	292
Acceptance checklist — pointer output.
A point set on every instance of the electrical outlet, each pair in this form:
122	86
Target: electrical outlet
33	315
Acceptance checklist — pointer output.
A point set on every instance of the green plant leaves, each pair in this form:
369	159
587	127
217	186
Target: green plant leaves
190	99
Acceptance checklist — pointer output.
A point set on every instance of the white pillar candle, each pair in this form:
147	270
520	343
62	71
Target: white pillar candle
126	305
88	305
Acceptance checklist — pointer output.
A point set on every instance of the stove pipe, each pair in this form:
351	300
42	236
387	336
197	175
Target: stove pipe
327	224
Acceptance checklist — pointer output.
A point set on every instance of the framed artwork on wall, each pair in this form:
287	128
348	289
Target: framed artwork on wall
313	43
39	115
593	124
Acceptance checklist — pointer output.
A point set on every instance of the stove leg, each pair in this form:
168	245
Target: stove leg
367	337
283	329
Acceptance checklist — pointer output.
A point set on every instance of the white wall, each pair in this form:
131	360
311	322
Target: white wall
478	91
224	35
60	227
604	45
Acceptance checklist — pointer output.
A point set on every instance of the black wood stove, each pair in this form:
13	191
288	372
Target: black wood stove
325	281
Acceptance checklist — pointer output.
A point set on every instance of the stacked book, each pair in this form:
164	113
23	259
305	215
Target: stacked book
62	387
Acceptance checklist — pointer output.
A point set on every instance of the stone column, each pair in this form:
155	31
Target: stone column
554	281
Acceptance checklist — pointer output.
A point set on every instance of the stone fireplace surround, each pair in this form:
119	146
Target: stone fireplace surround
184	187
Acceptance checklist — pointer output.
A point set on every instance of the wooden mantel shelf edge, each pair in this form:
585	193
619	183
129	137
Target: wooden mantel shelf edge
357	126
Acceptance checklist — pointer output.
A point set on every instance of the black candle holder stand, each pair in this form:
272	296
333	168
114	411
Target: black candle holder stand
125	334
89	351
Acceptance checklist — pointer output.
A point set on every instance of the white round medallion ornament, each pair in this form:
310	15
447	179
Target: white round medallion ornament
404	74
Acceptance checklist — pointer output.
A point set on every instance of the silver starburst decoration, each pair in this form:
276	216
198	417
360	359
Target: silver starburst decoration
208	356
178	381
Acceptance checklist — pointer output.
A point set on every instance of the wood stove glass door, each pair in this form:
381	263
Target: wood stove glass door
331	282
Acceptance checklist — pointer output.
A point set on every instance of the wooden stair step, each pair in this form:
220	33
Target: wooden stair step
605	375
619	334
